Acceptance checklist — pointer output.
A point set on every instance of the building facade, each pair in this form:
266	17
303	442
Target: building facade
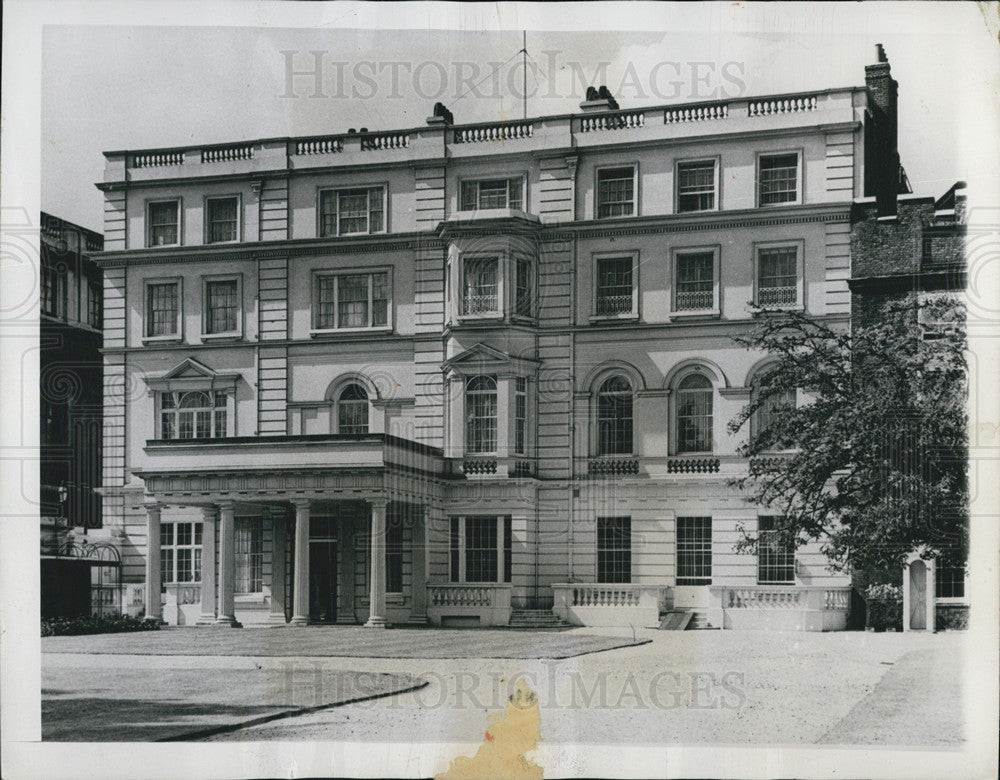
461	373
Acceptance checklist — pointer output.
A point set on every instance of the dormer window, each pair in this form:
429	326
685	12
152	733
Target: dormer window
482	194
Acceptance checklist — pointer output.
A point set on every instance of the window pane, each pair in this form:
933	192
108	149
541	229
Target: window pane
515	199
493	194
520	414
249	541
481	285
376	209
223	306
614	286
508	548
353	211
161	309
614	549
470	196
163	223
454	540
352	299
615	192
380	299
481	415
777	281
614	417
695	285
222	219
777	179
696	186
325	303
694	415
481	549
328	213
694	550
352	410
775	554
522	288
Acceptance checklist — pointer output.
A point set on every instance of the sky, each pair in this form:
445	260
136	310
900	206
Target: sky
133	87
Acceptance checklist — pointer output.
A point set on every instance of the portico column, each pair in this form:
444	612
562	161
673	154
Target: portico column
154	605
376	598
227	564
277	611
418	578
208	518
300	588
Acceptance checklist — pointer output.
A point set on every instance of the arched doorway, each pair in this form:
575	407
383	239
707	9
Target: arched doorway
918	595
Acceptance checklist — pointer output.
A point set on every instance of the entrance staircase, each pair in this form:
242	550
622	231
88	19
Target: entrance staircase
535	619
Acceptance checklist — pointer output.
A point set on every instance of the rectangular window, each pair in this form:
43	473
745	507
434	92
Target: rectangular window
249	539
394	553
616	192
222	219
481	415
694	550
696	186
520	414
615	294
95	305
193	414
164	225
508	548
775	554
344	301
777	179
53	293
614	549
481	549
180	552
492	194
949	582
162	309
522	287
694	289
455	549
352	212
777	276
481	285
222	306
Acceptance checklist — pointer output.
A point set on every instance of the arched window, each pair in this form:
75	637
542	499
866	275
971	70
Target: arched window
481	414
767	412
195	414
614	417
694	414
352	410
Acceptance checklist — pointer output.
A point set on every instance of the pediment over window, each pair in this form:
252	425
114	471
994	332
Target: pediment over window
191	374
484	359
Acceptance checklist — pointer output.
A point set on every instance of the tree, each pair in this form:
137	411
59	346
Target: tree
872	463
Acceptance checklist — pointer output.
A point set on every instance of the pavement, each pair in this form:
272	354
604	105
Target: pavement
678	687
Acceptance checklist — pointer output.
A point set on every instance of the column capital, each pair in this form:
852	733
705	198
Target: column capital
152	508
210	512
381	502
228	506
301	503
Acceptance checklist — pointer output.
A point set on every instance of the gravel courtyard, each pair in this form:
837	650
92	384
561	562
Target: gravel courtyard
720	687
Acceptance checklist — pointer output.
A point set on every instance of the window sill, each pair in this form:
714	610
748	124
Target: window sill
162	246
250	599
355	235
779	205
785	307
465	318
685	212
234	336
696	314
603	319
325	332
162	340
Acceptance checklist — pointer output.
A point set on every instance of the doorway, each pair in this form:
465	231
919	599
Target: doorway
918	595
323	581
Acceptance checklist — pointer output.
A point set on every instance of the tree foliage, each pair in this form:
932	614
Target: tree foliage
872	462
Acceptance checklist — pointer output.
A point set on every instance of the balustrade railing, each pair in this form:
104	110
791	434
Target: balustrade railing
690	301
157	159
776	296
777	597
622	120
480	466
695	113
467	595
183	593
608	305
789	105
332	145
502	131
613	466
227	153
693	466
606	596
371	142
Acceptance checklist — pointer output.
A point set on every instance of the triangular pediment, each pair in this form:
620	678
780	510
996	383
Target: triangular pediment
483	357
190	368
192	374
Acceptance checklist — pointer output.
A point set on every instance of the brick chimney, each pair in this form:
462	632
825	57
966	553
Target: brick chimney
599	99
884	156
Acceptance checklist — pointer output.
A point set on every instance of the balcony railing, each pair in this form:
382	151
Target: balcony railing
501	131
691	301
693	466
480	304
621	120
776	296
227	153
329	145
604	466
479	466
789	105
489	594
695	113
156	159
609	305
371	142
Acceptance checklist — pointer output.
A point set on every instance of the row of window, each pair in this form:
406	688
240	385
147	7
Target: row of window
54	292
363	300
362	210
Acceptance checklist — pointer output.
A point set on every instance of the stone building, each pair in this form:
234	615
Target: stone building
471	373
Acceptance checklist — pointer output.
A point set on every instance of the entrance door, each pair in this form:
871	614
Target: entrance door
918	595
323	581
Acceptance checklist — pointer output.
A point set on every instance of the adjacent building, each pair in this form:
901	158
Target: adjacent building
472	373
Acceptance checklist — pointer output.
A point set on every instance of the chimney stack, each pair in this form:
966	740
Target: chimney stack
882	88
599	99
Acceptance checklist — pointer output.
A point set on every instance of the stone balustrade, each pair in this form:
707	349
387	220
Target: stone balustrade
500	131
610	604
604	466
230	153
695	113
489	603
787	607
156	159
693	466
329	145
380	141
619	120
786	105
